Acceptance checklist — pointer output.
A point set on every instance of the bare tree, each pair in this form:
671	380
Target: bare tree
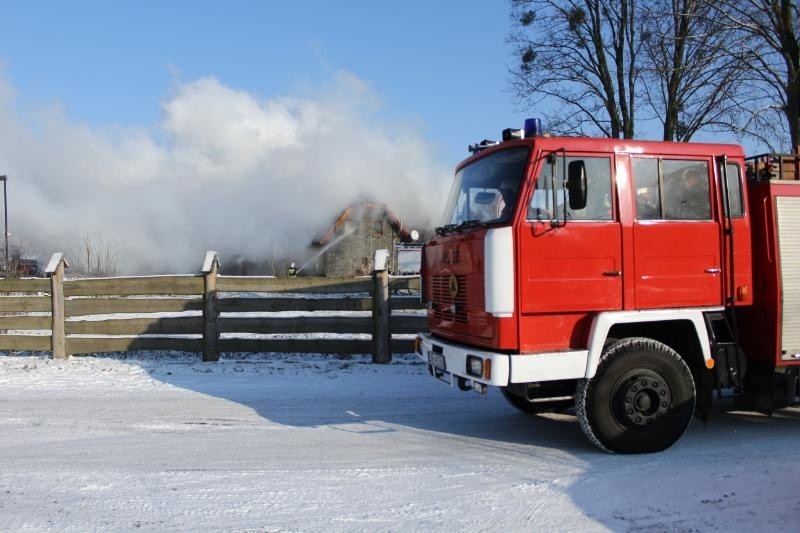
769	63
728	65
275	261
689	79
581	55
95	256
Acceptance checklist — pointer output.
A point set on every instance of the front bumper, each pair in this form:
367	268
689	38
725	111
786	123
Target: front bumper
454	356
506	369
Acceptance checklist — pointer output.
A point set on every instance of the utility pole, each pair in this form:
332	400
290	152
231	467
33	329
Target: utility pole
4	179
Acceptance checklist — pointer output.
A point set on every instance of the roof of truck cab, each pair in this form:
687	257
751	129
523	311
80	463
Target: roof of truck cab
621	146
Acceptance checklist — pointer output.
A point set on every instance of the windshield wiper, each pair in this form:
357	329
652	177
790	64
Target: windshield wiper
447	228
468	224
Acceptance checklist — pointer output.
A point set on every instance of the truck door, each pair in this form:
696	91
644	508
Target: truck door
676	241
569	260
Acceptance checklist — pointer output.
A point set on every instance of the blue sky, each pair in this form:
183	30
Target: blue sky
222	121
441	64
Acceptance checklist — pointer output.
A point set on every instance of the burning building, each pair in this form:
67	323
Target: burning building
348	247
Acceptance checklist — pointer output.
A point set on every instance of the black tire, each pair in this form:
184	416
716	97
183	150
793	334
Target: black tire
530	408
640	400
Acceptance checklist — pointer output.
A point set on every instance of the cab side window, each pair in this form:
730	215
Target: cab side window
648	191
734	174
548	197
671	189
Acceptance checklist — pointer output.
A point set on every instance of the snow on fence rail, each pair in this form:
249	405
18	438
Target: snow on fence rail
207	313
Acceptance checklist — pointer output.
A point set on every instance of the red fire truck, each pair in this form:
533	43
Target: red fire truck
629	279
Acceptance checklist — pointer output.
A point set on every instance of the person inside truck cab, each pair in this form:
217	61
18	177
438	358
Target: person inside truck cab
689	195
508	198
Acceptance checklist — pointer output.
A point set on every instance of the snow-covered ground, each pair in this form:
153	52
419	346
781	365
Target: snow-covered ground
314	443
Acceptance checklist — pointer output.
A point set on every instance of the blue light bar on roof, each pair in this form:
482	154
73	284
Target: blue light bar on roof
533	127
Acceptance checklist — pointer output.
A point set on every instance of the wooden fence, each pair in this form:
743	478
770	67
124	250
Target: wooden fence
209	313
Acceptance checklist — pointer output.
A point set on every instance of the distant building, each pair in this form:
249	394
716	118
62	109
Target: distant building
22	267
29	267
350	243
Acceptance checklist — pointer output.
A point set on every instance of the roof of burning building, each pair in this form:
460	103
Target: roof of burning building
360	210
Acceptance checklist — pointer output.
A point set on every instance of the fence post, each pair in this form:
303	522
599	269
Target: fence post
210	332
58	340
381	334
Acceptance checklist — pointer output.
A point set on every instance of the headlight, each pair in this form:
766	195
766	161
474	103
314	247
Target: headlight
474	366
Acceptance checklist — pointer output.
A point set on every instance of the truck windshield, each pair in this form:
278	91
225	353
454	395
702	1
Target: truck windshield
486	191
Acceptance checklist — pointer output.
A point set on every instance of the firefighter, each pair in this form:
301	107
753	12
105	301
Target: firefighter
693	203
508	191
292	271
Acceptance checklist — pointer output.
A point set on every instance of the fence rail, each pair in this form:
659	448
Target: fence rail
110	306
208	313
271	305
24	285
25	304
174	285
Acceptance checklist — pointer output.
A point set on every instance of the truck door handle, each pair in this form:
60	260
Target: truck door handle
713	270
613	273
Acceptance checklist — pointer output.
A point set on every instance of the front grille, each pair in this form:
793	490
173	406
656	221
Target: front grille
445	306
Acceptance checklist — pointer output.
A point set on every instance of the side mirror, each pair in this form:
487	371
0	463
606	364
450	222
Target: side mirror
576	185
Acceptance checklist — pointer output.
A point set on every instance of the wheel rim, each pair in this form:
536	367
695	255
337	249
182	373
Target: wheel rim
640	397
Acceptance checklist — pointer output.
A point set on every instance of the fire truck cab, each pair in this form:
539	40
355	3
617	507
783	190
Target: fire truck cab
629	279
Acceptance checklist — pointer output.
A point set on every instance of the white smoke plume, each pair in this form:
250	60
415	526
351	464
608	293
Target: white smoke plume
222	171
